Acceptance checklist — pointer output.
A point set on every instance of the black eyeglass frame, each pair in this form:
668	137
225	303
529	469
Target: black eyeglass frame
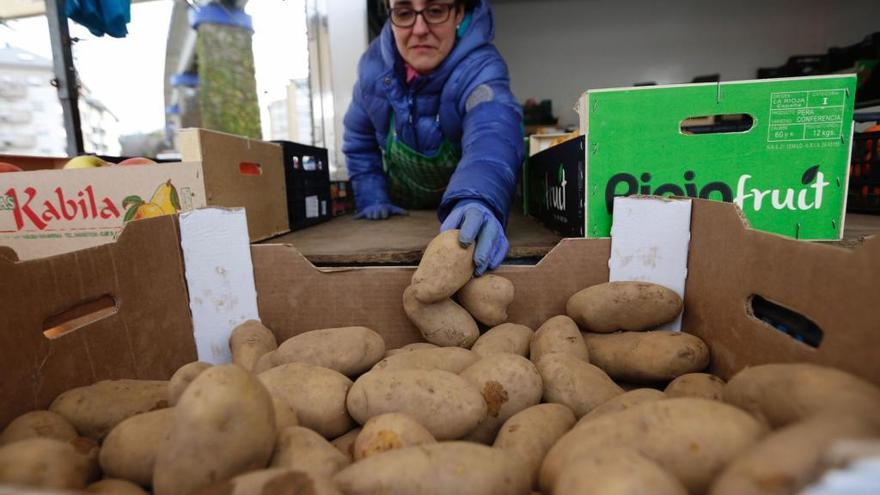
450	7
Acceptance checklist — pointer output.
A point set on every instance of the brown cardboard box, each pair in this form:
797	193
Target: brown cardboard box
150	333
46	211
241	172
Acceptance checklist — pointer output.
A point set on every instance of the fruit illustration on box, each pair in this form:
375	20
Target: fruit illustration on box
165	201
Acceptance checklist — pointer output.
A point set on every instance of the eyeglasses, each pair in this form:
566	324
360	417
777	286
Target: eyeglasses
437	13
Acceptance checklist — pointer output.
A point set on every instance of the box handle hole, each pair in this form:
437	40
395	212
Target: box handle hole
787	321
250	168
79	316
726	123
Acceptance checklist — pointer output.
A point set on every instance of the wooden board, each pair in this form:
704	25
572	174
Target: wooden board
401	239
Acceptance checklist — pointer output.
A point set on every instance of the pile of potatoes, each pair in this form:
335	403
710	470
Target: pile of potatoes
594	401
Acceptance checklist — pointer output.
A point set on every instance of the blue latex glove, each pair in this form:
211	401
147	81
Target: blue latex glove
380	211
478	223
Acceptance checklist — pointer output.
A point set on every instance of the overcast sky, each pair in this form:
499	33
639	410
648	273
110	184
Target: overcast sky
126	74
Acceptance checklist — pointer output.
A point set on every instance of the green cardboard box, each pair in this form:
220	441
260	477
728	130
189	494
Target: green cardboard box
787	168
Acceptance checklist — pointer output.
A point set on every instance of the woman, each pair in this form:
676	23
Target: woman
433	124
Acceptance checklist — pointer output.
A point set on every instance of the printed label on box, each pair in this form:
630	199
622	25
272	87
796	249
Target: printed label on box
311	207
56	211
785	161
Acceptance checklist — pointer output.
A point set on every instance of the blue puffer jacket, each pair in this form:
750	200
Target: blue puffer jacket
486	127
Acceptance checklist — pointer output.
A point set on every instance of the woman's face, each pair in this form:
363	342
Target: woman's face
424	45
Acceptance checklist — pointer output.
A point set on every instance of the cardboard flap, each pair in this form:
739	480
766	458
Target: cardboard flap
241	172
142	329
834	287
296	297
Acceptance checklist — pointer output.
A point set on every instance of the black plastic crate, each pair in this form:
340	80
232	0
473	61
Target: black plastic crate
864	180
553	185
307	177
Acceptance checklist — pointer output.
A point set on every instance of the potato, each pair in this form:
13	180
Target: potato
486	298
614	306
445	267
443	323
410	347
182	378
531	432
116	487
249	341
38	424
453	359
129	451
785	393
275	481
509	384
224	425
436	469
301	449
265	362
444	403
786	460
89	449
388	432
95	409
45	463
624	401
507	337
701	385
317	394
345	443
645	357
348	350
575	383
558	334
693	439
617	470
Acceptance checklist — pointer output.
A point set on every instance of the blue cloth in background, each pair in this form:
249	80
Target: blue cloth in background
100	16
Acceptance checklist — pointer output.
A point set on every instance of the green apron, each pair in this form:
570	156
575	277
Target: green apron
417	181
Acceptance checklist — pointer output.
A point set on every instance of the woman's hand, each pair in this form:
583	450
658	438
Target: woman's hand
380	211
477	222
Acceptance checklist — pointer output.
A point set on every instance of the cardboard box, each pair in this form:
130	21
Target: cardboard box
149	332
553	187
788	172
241	172
47	211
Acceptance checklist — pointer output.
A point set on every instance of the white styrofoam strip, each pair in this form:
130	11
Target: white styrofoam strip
220	277
650	238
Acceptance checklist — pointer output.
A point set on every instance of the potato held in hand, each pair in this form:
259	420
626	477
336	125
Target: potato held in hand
443	323
614	306
486	298
224	425
445	267
645	357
